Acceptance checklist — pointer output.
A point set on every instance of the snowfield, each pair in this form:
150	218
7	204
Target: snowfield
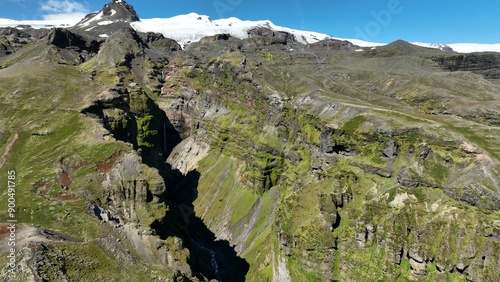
192	27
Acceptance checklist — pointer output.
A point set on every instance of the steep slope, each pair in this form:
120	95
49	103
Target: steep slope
341	166
247	159
69	168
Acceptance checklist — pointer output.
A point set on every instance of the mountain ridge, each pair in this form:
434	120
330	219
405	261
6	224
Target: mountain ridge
192	27
254	159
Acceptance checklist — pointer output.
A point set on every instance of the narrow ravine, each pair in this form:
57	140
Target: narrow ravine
213	261
213	258
210	257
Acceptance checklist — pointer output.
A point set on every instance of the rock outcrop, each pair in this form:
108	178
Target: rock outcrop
12	40
485	64
266	36
113	16
256	159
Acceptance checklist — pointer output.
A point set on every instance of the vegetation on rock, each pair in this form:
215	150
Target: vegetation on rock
249	159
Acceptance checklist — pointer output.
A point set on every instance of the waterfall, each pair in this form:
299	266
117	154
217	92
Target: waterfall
213	259
164	137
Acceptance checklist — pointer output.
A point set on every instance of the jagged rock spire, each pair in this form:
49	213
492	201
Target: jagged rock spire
124	11
114	16
115	11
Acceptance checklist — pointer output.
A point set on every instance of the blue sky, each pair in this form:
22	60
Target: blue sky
432	21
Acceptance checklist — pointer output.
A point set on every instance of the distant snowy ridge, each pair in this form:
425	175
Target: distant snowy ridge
192	27
474	47
462	47
442	47
39	23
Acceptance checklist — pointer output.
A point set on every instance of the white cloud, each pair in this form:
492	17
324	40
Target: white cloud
63	10
70	17
63	7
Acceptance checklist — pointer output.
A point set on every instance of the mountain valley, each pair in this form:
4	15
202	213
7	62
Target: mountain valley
263	158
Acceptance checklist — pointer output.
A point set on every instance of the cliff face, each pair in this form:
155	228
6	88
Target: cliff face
486	64
258	159
343	189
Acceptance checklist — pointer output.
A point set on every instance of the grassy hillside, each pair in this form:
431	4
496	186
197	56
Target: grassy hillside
244	160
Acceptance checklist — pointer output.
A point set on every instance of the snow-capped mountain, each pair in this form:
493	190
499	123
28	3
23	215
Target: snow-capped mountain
116	11
37	24
192	27
474	47
442	47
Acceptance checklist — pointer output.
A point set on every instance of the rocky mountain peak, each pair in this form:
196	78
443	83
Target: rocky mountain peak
120	10
114	16
115	11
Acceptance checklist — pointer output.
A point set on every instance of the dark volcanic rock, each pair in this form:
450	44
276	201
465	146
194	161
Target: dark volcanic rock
12	40
326	144
216	43
266	36
64	38
114	16
261	31
332	44
391	149
424	151
121	48
328	210
486	64
408	179
475	195
157	40
72	48
217	37
401	48
117	10
12	32
382	172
